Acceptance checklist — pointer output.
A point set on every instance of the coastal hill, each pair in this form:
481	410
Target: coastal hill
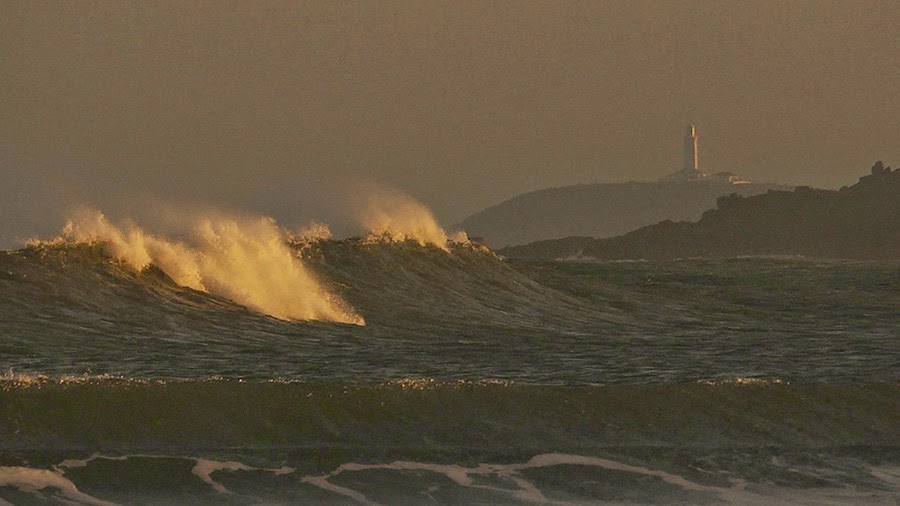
857	222
597	210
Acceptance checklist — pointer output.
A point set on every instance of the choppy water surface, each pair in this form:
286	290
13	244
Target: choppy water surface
473	381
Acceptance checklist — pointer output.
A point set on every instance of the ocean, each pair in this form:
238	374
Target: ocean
389	371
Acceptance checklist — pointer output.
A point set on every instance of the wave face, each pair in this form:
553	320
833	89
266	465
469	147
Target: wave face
410	416
473	380
456	443
73	308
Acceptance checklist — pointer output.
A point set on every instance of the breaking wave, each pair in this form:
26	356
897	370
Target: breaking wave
245	260
394	216
250	260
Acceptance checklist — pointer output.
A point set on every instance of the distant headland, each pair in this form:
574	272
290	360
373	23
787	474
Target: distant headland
857	222
609	209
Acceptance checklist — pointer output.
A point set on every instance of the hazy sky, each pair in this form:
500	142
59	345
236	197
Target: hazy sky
285	108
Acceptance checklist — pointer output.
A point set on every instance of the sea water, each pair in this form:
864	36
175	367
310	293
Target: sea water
442	375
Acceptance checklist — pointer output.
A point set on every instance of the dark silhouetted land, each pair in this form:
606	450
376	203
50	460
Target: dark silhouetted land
857	222
597	210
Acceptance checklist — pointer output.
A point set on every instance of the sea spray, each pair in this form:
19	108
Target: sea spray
393	215
245	260
313	231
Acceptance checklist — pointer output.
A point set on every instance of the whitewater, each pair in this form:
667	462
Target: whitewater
236	362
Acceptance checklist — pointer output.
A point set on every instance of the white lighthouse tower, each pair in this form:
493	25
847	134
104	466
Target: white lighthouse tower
691	167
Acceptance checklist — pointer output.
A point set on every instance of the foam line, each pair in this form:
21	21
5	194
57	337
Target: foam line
30	480
554	459
323	483
204	468
526	491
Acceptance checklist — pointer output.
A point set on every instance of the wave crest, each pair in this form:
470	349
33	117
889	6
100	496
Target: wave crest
393	216
245	260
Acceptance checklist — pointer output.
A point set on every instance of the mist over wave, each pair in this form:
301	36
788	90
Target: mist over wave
393	215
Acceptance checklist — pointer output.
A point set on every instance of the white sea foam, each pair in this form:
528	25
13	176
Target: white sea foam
524	490
887	474
11	380
430	383
504	479
30	480
745	381
204	468
245	260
